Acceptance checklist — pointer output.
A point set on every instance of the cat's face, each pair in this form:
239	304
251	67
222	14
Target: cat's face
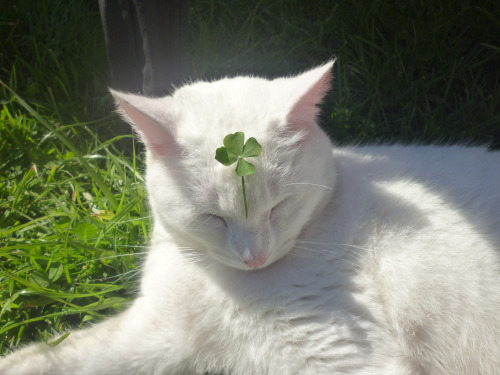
198	201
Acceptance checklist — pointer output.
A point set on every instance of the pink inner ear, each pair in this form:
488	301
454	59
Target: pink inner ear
154	135
304	111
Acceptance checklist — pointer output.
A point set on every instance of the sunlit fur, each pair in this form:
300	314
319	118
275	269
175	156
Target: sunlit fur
379	260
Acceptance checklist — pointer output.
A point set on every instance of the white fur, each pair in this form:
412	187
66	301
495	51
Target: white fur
365	260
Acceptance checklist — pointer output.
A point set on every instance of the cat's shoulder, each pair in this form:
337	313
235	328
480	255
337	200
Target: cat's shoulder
419	160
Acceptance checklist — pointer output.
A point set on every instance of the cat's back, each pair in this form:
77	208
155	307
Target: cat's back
459	167
427	230
459	179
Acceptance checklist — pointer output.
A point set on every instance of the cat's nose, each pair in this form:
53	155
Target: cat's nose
254	258
255	263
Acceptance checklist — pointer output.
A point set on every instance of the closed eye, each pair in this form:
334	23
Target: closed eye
213	219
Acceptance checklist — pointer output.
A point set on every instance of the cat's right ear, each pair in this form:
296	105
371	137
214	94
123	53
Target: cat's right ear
152	118
301	95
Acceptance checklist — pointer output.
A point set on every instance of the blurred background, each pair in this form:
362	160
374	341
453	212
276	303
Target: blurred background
407	71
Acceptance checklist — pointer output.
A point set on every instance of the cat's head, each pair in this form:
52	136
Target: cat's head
199	201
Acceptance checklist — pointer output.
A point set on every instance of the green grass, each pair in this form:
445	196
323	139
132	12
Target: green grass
74	218
72	225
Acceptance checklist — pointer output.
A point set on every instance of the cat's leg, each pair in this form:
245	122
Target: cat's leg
139	341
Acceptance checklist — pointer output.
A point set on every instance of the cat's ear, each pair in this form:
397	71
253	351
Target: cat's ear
304	93
152	118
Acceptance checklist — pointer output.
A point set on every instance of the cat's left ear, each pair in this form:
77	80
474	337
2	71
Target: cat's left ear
304	93
152	118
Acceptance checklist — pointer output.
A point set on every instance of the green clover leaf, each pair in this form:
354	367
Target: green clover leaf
244	168
234	143
251	148
235	150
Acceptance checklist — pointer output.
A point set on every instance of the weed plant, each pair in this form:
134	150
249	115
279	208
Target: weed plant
74	218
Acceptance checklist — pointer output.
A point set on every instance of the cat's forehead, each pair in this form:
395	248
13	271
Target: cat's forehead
237	97
226	88
211	110
223	188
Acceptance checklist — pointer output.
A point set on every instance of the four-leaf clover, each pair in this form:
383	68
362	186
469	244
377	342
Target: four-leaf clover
235	150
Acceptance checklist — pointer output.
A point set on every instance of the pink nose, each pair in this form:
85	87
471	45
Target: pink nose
257	262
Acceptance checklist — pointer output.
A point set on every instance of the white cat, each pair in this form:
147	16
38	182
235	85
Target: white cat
361	260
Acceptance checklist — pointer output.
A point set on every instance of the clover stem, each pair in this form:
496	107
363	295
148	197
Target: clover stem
244	196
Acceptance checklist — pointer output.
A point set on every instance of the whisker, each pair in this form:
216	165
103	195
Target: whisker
310	184
204	221
193	219
196	257
319	251
322	252
335	245
207	266
206	209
